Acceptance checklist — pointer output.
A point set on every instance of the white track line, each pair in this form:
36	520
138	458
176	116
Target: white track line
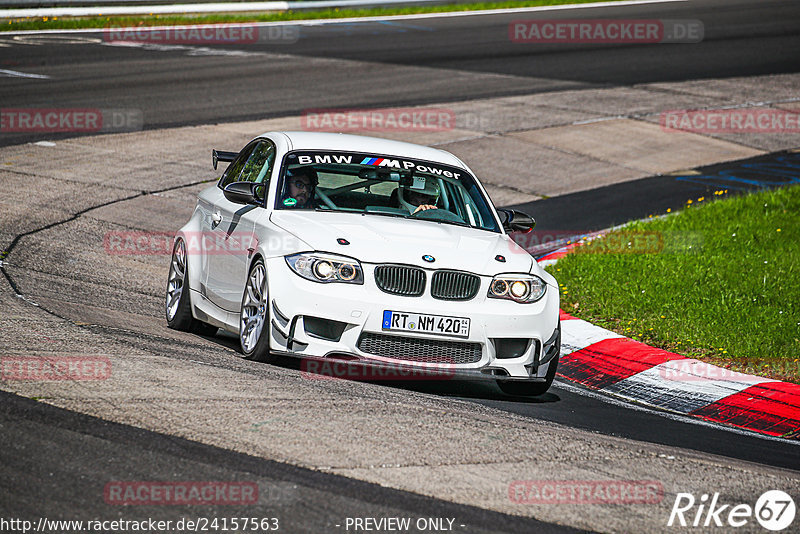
17	74
451	14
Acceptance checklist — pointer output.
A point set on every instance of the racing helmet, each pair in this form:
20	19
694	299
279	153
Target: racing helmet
418	191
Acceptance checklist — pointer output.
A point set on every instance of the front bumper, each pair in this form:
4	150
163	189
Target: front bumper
507	340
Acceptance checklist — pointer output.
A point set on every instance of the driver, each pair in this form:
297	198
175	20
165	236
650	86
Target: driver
299	187
420	195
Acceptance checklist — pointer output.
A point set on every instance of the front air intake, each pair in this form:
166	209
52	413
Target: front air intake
419	349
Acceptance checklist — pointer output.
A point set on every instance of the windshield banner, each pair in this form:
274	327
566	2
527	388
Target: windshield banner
333	158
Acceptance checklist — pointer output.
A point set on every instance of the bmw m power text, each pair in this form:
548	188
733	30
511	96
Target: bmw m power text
378	252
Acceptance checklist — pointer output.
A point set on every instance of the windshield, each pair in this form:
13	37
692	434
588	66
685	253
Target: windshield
364	183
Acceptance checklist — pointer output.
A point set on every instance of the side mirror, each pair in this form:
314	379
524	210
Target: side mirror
244	193
516	221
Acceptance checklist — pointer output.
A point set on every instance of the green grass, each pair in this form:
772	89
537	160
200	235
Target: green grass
59	23
725	287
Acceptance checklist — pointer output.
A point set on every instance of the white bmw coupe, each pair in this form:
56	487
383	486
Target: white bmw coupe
381	253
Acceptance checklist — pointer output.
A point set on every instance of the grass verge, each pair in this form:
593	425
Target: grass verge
718	281
61	23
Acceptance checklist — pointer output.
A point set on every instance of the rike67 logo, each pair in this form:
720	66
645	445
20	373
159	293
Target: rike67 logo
774	510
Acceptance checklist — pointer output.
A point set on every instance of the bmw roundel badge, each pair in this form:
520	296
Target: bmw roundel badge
428	258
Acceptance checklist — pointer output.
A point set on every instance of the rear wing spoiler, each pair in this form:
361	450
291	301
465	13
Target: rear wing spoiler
221	155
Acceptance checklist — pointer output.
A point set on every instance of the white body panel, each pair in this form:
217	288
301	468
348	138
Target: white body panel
217	279
375	239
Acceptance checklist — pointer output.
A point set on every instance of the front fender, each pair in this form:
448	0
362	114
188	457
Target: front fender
274	241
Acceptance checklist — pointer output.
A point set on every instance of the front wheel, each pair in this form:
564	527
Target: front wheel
254	322
530	389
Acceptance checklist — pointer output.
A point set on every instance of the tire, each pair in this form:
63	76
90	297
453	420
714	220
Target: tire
533	389
178	304
254	317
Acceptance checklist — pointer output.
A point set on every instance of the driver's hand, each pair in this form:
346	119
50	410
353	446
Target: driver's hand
424	207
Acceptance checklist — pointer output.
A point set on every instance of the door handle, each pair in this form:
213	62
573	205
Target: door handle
216	218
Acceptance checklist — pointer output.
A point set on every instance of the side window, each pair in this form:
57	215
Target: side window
259	166
235	168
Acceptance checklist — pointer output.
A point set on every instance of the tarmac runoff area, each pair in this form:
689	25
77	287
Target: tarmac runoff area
110	305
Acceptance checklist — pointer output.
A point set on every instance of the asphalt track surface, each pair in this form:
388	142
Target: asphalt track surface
612	205
76	450
741	38
393	64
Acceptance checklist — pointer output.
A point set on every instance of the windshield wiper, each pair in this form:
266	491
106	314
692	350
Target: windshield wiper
384	214
397	215
442	221
454	223
326	208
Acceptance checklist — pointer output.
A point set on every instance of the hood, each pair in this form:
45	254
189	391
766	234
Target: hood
378	239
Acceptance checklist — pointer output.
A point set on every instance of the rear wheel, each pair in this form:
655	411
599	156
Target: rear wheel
254	321
178	305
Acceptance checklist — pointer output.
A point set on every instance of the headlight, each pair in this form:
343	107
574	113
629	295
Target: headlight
326	268
517	287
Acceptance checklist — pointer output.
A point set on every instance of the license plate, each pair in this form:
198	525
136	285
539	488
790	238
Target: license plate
427	324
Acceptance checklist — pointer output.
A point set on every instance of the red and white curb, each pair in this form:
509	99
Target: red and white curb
603	360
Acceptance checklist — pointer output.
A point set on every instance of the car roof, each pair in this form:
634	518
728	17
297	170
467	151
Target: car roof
361	143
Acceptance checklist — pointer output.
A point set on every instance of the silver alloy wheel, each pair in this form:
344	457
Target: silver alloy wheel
254	308
177	273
